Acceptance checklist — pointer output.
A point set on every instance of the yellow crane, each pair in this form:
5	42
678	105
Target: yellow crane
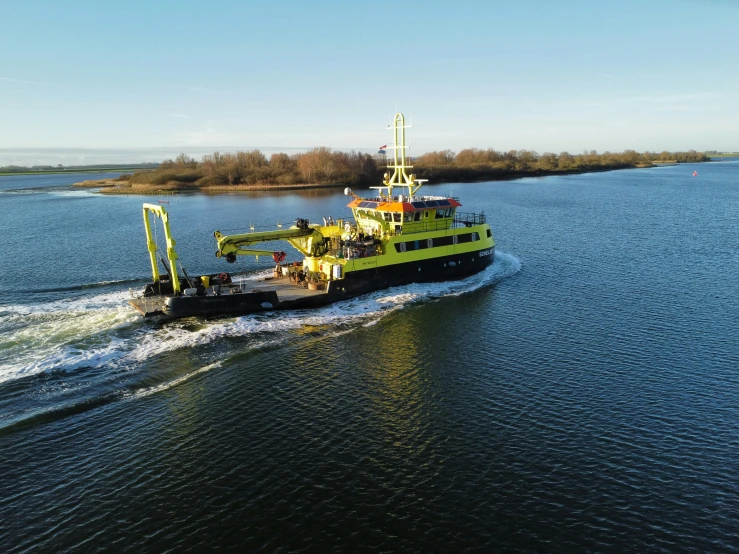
311	240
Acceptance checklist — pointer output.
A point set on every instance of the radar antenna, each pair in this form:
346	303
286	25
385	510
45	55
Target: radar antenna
399	177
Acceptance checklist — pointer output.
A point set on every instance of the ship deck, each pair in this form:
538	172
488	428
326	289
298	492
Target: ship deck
287	292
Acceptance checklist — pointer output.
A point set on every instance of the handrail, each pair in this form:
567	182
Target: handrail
468	219
460	220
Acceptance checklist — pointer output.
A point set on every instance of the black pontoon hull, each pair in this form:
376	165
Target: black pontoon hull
277	294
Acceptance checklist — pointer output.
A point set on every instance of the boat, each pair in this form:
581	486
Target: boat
390	240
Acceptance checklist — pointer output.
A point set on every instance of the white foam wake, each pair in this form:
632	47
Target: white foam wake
107	300
101	332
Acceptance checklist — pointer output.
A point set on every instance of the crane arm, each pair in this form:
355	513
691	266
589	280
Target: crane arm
161	213
303	239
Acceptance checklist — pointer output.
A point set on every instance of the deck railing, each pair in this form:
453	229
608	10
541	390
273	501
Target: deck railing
469	219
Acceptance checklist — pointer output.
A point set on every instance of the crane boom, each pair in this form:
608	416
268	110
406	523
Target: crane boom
308	240
151	244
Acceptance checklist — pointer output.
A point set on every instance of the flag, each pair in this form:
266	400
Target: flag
382	147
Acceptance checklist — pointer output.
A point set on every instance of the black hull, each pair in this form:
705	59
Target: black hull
354	284
448	268
236	304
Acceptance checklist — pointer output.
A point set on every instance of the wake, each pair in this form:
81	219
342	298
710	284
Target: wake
101	332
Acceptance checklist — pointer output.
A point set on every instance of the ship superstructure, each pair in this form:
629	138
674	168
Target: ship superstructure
392	239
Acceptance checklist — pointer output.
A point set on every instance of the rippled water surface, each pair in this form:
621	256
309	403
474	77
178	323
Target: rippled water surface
580	394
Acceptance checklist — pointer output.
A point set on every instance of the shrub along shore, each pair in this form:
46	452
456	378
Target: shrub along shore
322	167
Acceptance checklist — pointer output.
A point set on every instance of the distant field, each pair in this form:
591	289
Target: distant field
86	170
729	155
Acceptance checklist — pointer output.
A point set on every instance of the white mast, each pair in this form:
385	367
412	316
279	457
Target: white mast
399	178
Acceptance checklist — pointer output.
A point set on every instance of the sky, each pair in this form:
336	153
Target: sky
92	82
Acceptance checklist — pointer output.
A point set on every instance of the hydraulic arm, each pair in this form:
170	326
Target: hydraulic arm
308	239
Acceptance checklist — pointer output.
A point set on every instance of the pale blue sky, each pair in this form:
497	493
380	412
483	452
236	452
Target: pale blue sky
548	76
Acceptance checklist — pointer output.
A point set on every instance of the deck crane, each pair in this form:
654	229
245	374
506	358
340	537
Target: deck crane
311	240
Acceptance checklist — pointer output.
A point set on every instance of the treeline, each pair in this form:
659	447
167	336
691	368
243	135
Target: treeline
477	164
322	166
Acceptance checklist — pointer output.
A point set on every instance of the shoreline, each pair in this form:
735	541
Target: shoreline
123	169
112	186
115	186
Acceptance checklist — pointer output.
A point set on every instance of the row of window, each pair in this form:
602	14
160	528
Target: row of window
433	243
407	217
416	204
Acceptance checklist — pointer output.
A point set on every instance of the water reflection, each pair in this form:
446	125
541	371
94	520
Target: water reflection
397	387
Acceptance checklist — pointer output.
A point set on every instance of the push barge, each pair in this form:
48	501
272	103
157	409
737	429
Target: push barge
392	240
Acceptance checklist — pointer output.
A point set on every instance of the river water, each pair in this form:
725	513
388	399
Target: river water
580	394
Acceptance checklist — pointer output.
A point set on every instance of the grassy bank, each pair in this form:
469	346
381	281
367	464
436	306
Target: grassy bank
48	170
71	171
110	187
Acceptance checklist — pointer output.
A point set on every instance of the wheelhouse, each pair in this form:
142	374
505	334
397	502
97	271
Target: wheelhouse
400	215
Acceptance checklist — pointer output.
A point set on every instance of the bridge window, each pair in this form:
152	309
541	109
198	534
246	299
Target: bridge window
417	216
396	217
440	213
448	212
408	217
388	216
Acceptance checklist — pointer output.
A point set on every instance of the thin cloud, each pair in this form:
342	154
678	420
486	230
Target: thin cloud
207	121
679	97
206	137
687	107
664	101
200	89
12	80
